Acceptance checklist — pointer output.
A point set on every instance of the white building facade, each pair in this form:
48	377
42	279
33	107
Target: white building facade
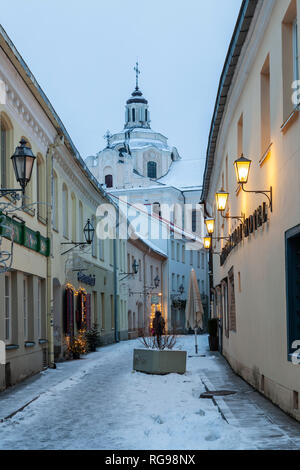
138	164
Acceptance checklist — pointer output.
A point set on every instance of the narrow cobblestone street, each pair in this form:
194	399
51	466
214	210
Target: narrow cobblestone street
99	403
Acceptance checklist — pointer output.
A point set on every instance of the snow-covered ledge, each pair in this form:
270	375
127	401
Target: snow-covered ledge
152	361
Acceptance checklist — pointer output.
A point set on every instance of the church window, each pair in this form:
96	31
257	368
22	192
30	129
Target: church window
109	181
194	221
156	209
133	115
146	114
152	170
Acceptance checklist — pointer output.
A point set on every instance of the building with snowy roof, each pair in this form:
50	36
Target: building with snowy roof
140	165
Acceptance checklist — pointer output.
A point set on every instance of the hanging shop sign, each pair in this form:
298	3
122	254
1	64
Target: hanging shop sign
155	300
23	235
251	225
86	278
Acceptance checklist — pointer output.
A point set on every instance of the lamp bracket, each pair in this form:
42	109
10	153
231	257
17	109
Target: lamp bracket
76	244
241	218
221	238
14	193
268	194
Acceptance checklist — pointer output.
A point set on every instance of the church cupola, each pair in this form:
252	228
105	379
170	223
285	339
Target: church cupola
137	112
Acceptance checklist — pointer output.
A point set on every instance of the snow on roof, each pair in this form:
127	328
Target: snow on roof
154	247
142	143
184	174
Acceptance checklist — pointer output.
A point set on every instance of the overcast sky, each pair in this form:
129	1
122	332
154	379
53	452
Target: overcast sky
82	52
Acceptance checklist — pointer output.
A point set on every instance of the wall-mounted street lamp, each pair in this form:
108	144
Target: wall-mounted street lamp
135	269
181	289
221	199
156	281
210	226
207	243
242	169
22	160
88	232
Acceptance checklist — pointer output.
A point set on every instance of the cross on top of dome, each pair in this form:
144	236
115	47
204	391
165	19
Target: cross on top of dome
137	71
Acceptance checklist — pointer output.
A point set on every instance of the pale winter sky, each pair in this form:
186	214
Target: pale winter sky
82	52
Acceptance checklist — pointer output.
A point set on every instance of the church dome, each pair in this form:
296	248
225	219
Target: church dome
137	112
137	97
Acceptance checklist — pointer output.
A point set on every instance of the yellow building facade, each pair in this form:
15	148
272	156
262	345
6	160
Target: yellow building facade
255	283
44	293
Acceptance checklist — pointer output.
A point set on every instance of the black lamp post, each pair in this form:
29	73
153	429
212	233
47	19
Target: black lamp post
135	267
22	160
181	289
242	168
89	233
135	270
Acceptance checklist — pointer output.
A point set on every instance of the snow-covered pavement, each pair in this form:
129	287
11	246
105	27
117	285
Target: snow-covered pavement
100	403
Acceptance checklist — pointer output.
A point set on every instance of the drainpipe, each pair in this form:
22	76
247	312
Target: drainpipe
145	292
116	306
50	336
49	290
117	335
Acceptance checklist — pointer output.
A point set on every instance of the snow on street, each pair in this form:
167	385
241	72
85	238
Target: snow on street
102	404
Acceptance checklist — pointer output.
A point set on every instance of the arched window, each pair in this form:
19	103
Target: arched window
6	151
109	181
152	170
80	225
41	188
27	199
55	201
65	212
156	208
146	115
74	221
94	244
133	114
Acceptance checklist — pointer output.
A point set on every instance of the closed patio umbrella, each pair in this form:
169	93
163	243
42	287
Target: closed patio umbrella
194	308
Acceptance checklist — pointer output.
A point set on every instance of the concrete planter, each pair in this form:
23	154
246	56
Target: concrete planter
159	362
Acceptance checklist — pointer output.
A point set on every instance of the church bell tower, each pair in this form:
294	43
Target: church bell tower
137	111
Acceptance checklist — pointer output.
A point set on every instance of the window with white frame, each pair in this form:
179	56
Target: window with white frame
295	50
39	310
173	250
55	201
65	212
25	307
94	245
7	306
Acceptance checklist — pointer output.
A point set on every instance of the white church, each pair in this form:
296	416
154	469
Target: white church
140	165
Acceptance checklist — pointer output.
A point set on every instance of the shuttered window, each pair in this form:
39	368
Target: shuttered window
231	298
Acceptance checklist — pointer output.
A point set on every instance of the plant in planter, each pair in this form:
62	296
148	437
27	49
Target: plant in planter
213	339
78	344
93	338
158	356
